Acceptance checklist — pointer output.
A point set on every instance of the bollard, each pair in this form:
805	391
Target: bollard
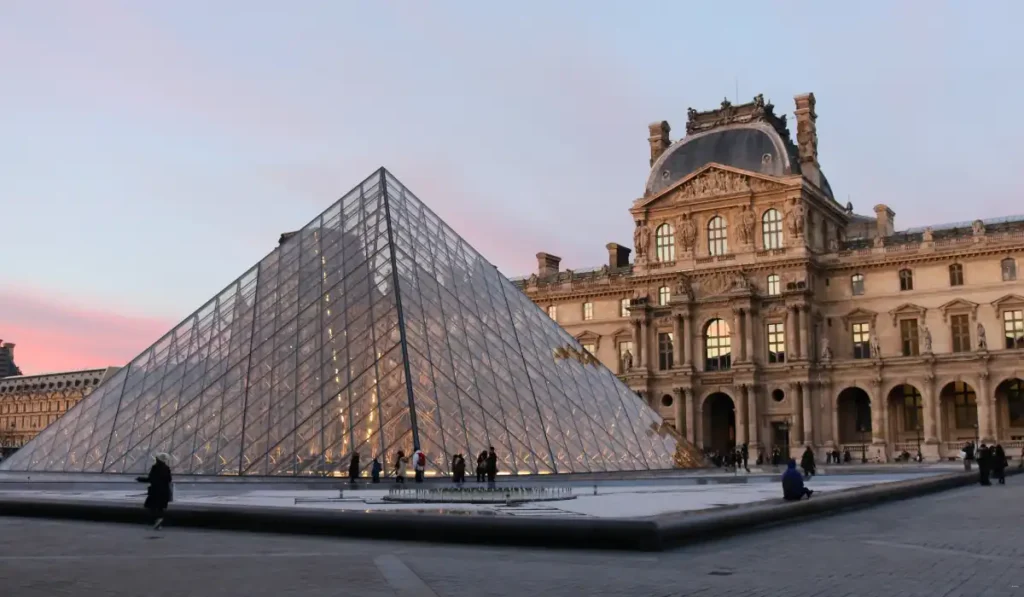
341	494
595	489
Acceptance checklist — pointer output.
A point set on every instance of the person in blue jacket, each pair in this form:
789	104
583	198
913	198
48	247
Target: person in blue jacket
793	483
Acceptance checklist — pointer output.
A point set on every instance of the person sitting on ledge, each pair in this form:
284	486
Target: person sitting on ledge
793	484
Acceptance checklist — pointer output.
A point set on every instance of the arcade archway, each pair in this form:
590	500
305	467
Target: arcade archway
719	422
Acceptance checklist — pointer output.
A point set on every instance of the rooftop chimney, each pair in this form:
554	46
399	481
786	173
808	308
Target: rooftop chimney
885	220
547	264
806	128
659	139
618	256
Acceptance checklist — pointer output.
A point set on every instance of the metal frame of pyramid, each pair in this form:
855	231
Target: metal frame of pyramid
373	329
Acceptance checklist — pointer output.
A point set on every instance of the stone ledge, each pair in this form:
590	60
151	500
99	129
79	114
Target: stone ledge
643	534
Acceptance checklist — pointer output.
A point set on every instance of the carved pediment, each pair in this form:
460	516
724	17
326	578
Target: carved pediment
713	180
907	310
859	314
589	337
1010	300
622	334
959	306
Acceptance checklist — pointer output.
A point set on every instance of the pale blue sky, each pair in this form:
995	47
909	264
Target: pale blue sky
154	151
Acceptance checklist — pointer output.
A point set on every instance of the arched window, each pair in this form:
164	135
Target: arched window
717	346
718	241
665	243
774	285
771	229
906	279
1009	267
956	275
857	284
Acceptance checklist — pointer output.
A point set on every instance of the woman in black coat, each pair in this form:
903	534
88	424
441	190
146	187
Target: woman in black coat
159	493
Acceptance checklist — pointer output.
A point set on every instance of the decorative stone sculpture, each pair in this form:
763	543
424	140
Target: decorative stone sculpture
927	236
641	239
826	350
978	227
833	245
745	226
926	339
876	349
627	361
982	340
687	232
796	218
879	242
683	289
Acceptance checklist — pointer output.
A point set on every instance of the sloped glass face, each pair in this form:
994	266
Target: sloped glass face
374	329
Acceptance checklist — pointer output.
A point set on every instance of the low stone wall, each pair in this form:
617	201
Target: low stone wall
647	534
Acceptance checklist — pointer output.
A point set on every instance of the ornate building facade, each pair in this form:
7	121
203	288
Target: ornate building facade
28	403
760	310
7	365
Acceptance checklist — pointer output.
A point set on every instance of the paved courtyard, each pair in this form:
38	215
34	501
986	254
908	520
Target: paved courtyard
965	542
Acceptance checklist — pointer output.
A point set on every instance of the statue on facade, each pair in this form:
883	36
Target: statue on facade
533	279
683	288
826	350
687	232
926	339
797	216
641	239
978	227
745	227
876	349
833	245
627	360
927	236
982	341
879	242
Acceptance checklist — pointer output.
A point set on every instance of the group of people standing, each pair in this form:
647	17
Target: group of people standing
992	461
486	467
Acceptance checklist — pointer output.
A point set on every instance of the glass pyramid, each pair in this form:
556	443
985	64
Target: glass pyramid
373	329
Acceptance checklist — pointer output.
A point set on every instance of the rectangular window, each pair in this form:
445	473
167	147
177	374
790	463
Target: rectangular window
862	341
959	325
1009	269
664	295
965	406
588	311
956	275
909	338
626	356
624	308
591	348
912	409
553	312
1013	328
776	343
906	280
774	285
665	351
857	284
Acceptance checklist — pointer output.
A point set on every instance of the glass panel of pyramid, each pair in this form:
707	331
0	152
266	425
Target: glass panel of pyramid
374	329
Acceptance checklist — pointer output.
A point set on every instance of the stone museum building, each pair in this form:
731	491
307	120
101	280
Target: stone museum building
758	309
28	403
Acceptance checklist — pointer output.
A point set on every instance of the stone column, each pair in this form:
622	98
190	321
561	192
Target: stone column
807	400
984	409
805	330
643	346
749	323
877	413
679	402
792	344
677	341
698	427
740	392
931	410
636	343
691	417
833	405
752	434
688	338
737	336
796	434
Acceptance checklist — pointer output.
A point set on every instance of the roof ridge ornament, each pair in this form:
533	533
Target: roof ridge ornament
757	110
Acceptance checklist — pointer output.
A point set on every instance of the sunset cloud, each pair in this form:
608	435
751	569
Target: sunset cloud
56	335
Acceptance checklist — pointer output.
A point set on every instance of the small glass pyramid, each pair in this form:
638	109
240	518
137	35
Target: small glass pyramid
373	329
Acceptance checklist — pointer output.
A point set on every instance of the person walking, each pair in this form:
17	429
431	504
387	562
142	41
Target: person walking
968	456
492	468
160	490
375	469
481	467
459	470
999	463
401	462
353	468
745	453
807	462
984	464
419	464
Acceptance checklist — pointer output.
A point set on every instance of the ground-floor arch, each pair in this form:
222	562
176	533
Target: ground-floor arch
853	410
906	430
719	422
1010	409
958	414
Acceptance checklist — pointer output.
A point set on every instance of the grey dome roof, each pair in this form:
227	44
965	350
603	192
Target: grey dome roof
752	146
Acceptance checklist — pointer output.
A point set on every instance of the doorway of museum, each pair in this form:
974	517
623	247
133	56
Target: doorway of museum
720	423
